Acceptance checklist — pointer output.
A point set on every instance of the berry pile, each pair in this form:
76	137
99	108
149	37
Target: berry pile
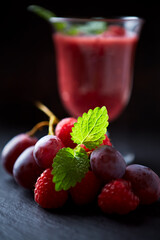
79	161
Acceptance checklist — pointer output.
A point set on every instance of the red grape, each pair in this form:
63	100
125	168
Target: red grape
14	148
63	130
46	149
107	163
145	183
25	170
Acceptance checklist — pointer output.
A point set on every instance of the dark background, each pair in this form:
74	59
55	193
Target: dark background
27	62
28	73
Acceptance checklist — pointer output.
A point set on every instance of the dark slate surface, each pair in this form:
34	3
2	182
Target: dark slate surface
22	219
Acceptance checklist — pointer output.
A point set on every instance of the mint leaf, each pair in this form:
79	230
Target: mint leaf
91	128
88	28
47	15
93	27
72	30
69	167
41	12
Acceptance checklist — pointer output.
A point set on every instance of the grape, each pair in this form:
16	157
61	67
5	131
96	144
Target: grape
63	130
25	170
107	163
145	183
46	149
14	148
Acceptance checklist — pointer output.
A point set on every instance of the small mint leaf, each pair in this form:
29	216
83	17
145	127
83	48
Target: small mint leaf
48	16
93	27
71	30
41	12
89	28
69	167
91	128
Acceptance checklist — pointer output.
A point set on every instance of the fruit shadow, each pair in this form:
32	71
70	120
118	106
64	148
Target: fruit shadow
137	217
9	181
71	209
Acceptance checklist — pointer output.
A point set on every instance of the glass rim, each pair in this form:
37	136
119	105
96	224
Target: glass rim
120	19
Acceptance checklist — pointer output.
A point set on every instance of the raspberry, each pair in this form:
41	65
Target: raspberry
114	31
63	130
87	190
117	30
117	197
46	195
106	141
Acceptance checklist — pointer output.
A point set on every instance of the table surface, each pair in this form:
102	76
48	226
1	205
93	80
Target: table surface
21	218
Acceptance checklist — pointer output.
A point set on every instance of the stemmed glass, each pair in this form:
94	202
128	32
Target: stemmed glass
95	62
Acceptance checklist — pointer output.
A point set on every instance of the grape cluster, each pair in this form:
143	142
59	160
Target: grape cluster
25	157
117	187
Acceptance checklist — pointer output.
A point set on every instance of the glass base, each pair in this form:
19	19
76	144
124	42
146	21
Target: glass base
129	158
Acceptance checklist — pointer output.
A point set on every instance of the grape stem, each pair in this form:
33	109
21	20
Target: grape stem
51	123
37	127
52	118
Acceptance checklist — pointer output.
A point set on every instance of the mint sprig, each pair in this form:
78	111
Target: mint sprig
47	15
41	12
91	128
89	27
71	165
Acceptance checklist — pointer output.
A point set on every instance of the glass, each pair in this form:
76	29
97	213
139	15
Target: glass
95	62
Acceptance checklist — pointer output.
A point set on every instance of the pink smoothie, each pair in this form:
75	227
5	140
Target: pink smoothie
95	71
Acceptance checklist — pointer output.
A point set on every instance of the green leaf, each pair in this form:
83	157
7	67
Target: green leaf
42	12
88	28
93	27
47	15
91	128
72	30
69	167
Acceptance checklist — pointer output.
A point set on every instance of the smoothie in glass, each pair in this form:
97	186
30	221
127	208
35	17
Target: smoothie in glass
95	70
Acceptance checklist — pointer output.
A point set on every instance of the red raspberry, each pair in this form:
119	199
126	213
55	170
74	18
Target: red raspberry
63	131
117	197
114	31
46	195
117	30
87	190
106	141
